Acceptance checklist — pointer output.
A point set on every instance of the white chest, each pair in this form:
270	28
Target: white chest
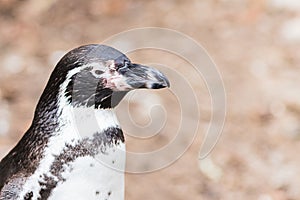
94	178
84	175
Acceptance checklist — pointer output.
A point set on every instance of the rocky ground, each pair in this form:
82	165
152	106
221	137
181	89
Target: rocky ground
255	45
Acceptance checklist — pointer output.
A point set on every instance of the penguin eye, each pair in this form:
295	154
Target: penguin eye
98	72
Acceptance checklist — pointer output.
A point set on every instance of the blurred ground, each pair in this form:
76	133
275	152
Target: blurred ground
256	47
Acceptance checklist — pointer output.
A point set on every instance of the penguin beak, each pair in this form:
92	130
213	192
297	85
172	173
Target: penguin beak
140	76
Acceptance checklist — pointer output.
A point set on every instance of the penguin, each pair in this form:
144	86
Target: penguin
75	147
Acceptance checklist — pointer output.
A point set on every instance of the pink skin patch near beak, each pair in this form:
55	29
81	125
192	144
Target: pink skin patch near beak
116	82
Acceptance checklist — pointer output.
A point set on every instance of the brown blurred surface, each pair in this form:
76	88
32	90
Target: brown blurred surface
256	47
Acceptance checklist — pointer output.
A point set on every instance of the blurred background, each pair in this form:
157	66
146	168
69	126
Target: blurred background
255	44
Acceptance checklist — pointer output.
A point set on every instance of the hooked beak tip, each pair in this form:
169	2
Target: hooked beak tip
161	81
163	84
